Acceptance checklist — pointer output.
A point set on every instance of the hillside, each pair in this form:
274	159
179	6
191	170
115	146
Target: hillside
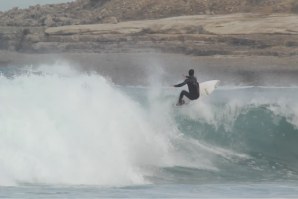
197	27
113	11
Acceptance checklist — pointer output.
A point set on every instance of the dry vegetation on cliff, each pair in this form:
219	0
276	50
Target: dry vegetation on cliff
113	11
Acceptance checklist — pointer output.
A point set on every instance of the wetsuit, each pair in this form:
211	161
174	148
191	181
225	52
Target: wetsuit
193	87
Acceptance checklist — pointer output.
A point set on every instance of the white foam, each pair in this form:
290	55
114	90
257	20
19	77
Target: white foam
70	128
59	126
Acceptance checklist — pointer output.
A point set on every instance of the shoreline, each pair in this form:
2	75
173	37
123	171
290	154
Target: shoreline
135	68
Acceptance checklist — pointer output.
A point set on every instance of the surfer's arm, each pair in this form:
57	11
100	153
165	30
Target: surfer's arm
181	84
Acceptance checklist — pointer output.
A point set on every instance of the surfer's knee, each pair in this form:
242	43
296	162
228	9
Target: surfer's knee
183	93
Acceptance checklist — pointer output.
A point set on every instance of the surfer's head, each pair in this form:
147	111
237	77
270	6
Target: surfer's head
191	72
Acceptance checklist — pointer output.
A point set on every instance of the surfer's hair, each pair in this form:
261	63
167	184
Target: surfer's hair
191	72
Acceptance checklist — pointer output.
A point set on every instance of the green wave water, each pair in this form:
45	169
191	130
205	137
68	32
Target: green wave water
248	134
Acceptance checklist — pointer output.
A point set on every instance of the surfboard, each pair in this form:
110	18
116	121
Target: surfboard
206	88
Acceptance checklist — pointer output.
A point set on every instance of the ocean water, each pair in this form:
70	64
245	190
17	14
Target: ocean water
68	134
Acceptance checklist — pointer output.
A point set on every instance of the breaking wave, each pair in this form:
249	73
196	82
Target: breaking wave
59	126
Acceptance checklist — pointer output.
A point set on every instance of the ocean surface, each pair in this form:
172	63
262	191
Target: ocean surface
68	134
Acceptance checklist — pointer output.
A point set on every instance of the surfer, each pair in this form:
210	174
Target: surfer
193	87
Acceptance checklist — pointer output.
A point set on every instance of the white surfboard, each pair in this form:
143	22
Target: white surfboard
206	88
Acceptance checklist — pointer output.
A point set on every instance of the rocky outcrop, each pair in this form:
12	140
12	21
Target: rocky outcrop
237	34
113	11
104	26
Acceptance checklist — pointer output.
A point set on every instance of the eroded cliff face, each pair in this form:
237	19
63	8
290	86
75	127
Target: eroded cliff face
199	27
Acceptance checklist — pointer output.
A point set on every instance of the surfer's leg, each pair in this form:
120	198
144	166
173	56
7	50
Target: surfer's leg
184	93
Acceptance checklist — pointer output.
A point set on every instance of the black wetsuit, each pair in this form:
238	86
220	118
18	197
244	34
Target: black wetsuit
193	87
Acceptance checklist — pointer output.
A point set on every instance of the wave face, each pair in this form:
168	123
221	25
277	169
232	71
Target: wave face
259	123
59	126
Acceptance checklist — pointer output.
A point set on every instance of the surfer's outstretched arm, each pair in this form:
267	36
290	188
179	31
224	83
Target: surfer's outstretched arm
181	84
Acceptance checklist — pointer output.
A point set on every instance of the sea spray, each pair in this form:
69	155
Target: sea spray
67	128
59	126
